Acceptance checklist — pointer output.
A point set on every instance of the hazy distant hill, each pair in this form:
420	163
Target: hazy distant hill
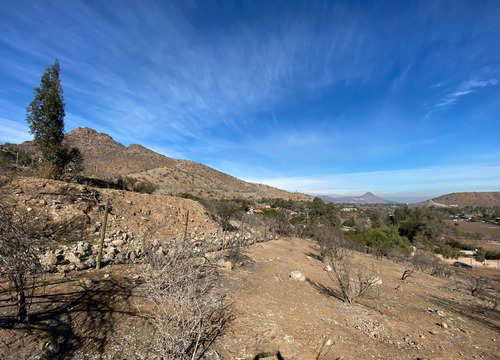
105	158
463	199
367	198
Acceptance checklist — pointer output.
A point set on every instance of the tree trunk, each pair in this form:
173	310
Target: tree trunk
22	312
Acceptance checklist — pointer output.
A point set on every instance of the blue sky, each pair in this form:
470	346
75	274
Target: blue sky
401	98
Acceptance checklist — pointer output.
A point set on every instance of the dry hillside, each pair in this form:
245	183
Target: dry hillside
80	208
200	180
113	158
105	158
464	199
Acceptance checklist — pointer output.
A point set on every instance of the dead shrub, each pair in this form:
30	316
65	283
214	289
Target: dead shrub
324	349
234	250
473	285
354	280
425	262
331	241
495	298
440	268
407	273
224	211
47	170
189	309
19	258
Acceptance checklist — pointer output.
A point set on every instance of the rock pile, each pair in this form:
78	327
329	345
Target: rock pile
119	248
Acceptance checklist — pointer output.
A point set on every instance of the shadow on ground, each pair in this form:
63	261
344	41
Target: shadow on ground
484	316
72	314
324	289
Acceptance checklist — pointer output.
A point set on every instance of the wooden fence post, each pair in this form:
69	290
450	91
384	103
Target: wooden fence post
103	233
186	229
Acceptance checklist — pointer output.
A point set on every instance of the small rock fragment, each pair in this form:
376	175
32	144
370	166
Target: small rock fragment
297	275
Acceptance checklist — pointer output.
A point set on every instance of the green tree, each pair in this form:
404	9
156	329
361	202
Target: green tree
481	255
45	116
449	252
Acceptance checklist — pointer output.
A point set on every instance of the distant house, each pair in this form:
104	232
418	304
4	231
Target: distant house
348	209
468	252
346	228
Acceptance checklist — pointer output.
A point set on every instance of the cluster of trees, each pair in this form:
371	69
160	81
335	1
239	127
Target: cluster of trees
307	212
380	230
476	213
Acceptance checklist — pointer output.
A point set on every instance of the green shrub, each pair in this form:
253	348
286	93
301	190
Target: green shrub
145	187
449	252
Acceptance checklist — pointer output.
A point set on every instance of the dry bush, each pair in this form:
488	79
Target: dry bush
473	285
407	273
234	250
189	309
19	258
224	211
440	268
331	241
352	278
425	262
47	170
495	298
324	349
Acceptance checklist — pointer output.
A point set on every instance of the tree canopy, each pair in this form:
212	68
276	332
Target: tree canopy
45	115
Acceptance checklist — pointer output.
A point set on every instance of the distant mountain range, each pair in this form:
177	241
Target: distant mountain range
365	199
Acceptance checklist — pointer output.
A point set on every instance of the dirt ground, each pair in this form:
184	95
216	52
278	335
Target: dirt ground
421	318
100	314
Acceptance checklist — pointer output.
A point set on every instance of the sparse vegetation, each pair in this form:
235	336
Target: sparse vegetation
224	211
353	279
19	258
473	285
189	309
132	184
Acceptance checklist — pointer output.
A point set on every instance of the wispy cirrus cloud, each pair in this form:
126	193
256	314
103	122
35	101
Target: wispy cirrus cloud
13	131
463	89
183	82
